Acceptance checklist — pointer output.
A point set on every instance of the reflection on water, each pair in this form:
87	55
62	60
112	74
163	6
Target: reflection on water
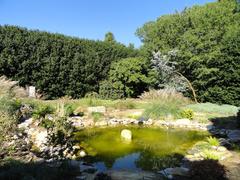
150	149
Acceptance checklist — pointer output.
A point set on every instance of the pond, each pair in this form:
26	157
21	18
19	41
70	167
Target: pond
151	149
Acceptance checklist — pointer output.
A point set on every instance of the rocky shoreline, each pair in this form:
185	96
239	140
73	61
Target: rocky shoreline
38	137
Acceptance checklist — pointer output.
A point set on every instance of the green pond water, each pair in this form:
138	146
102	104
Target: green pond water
150	149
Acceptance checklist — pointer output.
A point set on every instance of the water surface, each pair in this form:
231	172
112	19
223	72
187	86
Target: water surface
150	149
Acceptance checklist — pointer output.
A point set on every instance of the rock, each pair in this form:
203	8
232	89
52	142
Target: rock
25	124
76	147
177	171
124	174
234	135
40	138
126	134
101	123
99	109
148	122
182	122
82	153
221	149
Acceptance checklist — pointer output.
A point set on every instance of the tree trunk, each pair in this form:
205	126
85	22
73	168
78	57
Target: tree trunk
190	86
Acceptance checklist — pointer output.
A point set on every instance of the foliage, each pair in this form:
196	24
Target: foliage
46	123
159	109
68	109
97	116
57	65
7	126
61	131
41	111
107	91
129	76
207	169
109	37
210	154
207	39
213	141
11	88
167	94
187	113
163	102
213	108
124	104
166	71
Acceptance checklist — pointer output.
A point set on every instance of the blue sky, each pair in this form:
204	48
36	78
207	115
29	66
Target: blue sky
89	18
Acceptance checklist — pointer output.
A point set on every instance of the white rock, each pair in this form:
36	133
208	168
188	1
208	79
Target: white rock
82	153
126	134
183	122
99	109
101	123
76	147
25	124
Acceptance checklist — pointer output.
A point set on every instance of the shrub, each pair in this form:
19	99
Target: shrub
92	95
11	88
46	123
7	125
207	169
11	106
158	110
129	76
107	91
68	110
167	94
41	111
187	113
62	130
213	141
124	104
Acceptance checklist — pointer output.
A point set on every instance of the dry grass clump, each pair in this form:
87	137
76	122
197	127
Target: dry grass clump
8	87
166	95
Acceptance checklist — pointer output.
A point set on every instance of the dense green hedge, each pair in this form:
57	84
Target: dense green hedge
208	42
57	65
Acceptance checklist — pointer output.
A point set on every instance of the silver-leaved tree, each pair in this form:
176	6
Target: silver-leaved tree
168	76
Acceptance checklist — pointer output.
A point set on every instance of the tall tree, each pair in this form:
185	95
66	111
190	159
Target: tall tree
202	35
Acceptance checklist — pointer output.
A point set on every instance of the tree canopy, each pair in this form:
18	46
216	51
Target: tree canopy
207	40
57	65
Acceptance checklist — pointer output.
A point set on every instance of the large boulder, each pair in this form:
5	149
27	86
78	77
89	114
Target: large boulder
126	134
234	135
177	171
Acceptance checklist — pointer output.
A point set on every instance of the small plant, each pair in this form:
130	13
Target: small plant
41	111
97	116
46	123
213	141
210	154
68	110
158	110
187	113
133	116
61	131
